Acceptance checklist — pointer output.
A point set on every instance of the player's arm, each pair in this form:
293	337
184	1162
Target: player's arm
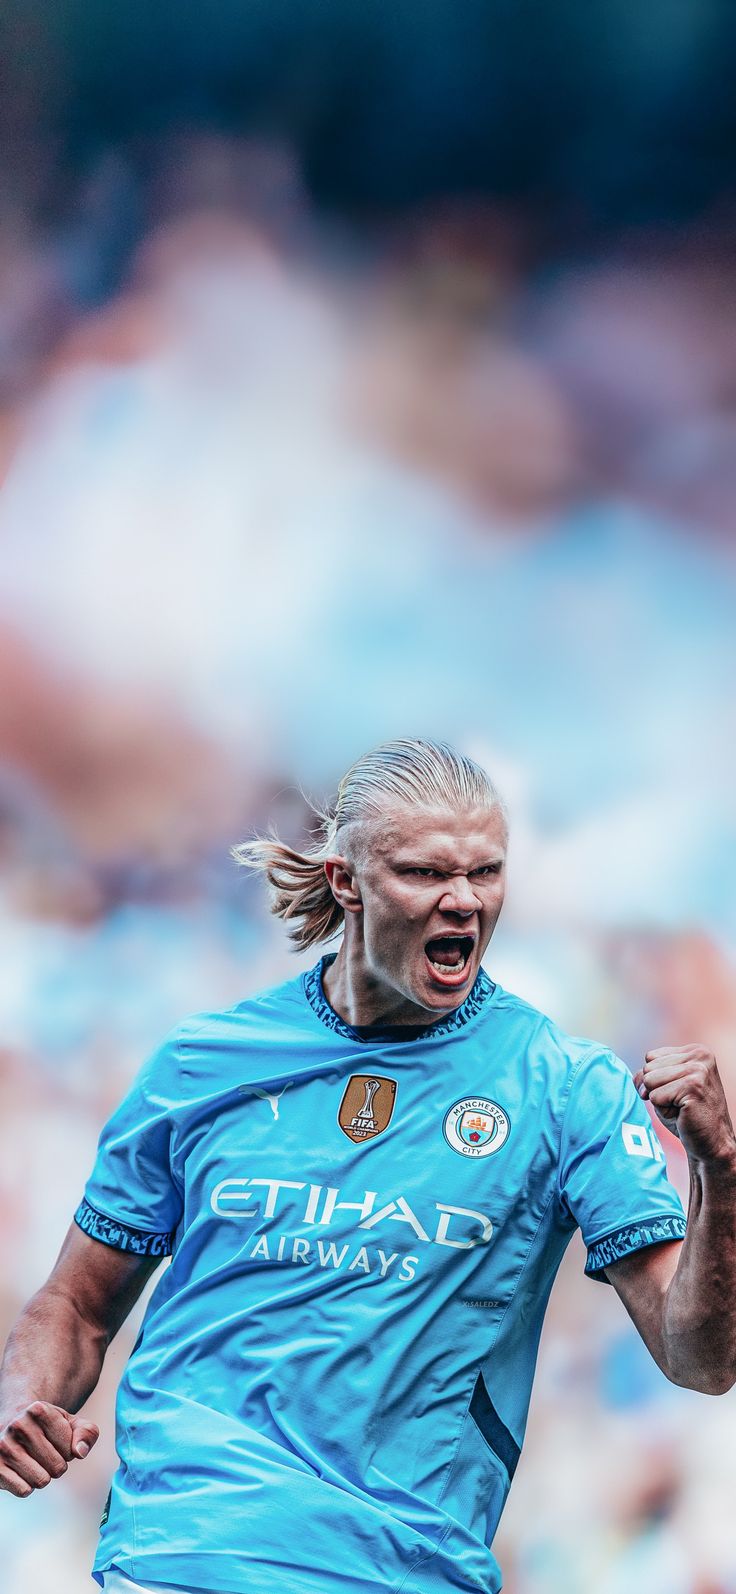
54	1357
680	1295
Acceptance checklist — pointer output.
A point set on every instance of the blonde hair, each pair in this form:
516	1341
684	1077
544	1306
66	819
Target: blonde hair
412	772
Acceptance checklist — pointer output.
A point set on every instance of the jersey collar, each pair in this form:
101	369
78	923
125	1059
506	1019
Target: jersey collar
315	994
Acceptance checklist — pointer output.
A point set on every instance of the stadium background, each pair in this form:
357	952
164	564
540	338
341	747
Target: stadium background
367	370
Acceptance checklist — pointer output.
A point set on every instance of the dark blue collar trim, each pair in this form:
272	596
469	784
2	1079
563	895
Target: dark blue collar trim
370	1033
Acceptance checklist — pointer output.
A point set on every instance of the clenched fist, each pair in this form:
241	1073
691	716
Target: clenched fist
684	1086
38	1444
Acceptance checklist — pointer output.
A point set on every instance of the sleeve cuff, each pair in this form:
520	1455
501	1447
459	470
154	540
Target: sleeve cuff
632	1237
120	1235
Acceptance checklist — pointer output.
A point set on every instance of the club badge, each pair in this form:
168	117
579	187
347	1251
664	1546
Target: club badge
366	1107
476	1127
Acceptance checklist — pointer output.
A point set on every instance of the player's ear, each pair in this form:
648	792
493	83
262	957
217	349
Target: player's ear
343	884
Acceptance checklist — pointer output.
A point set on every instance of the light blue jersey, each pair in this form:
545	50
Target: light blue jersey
330	1387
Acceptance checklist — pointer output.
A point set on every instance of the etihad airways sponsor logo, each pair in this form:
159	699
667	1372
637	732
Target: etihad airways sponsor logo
293	1248
251	1198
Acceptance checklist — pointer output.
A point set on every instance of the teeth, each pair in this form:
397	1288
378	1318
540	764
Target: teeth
448	968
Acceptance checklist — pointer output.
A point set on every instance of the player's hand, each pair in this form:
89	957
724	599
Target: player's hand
684	1086
37	1445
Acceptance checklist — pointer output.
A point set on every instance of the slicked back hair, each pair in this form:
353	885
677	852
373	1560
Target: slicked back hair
414	773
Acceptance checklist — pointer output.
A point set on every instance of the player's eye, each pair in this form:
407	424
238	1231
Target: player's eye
488	868
425	873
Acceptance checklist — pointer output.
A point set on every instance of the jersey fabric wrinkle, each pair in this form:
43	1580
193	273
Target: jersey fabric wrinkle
330	1386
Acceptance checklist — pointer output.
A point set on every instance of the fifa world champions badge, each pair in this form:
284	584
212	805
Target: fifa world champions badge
366	1107
476	1127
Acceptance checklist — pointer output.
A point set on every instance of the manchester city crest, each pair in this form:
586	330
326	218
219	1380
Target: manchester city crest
475	1126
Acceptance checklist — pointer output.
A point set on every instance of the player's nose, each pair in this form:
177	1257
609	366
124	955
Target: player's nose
460	897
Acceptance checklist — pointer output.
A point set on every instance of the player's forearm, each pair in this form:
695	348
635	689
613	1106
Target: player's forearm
699	1324
53	1354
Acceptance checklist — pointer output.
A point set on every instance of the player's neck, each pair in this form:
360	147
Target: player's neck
360	999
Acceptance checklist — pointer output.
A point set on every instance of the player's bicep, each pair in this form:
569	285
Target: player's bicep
101	1282
641	1280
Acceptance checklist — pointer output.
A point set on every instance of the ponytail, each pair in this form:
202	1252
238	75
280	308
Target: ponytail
299	890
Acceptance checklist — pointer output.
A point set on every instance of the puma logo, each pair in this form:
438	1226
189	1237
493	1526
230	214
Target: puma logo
273	1097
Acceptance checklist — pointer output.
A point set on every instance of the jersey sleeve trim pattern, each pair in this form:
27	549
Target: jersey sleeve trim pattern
120	1235
633	1237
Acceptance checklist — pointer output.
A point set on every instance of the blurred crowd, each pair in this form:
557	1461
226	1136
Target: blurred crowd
285	489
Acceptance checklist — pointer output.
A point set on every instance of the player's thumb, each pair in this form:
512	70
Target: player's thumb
84	1435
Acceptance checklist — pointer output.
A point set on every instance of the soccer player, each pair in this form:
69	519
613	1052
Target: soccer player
366	1179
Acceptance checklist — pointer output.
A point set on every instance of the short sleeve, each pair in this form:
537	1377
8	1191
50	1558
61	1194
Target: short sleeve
613	1177
131	1200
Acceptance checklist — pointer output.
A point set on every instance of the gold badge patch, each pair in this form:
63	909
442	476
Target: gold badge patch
366	1106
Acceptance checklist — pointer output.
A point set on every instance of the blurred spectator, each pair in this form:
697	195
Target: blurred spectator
125	778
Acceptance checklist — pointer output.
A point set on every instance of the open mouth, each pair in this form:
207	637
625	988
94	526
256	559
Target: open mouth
449	957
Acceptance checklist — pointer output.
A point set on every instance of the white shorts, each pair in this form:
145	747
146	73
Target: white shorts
115	1582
